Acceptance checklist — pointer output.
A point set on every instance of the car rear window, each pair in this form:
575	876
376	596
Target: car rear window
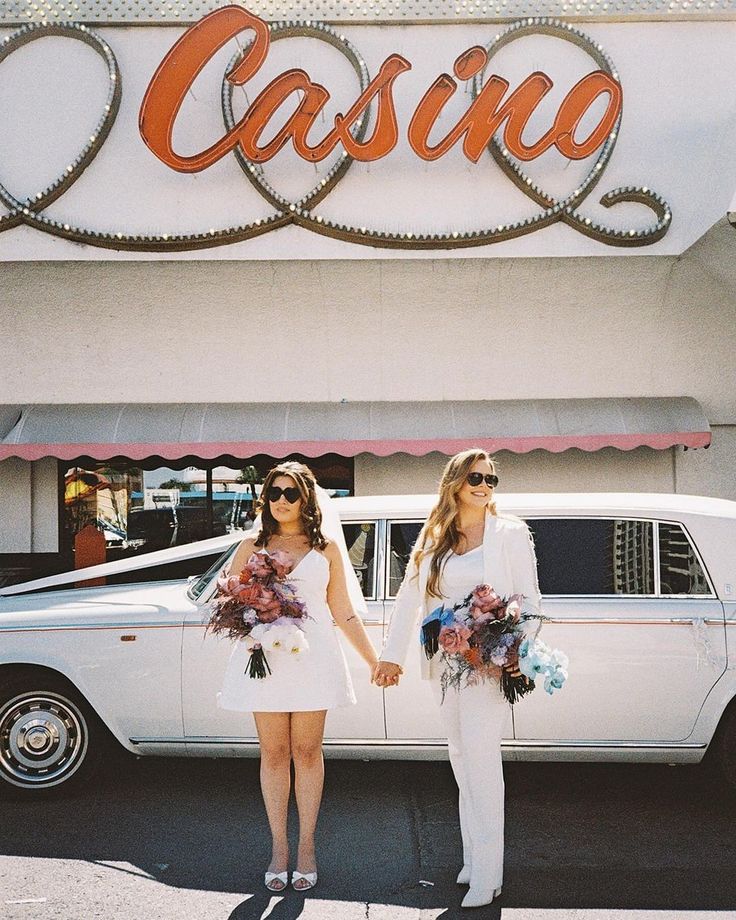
594	556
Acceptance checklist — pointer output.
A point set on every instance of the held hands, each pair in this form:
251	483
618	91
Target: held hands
386	674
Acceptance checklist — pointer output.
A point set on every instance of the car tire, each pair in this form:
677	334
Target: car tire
51	741
725	747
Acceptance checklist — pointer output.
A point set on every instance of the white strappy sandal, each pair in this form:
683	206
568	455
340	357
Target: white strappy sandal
309	877
479	899
271	877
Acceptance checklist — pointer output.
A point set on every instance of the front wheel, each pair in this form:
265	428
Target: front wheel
50	739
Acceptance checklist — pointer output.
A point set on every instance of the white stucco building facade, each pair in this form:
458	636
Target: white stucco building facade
302	318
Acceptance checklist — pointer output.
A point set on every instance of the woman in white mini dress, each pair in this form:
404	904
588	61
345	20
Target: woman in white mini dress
465	543
290	704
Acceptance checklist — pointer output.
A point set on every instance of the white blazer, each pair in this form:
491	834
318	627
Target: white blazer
509	567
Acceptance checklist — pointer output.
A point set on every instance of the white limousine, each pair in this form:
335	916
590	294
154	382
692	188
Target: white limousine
640	591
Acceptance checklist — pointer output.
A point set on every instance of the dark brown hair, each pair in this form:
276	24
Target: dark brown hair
311	516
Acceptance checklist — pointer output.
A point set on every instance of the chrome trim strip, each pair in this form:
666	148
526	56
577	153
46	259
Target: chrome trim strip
380	560
606	745
634	621
629	598
441	742
565	621
657	561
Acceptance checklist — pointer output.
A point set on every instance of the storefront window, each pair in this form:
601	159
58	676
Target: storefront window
147	507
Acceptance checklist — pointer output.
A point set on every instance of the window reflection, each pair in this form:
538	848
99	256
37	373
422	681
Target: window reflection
403	537
587	556
361	542
140	510
679	568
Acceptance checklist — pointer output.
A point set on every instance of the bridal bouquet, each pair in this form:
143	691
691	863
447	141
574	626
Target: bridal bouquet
261	606
484	633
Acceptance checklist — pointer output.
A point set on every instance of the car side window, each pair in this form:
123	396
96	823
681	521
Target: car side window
361	541
594	556
680	571
402	537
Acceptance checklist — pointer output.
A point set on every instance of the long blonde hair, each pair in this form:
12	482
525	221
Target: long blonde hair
440	534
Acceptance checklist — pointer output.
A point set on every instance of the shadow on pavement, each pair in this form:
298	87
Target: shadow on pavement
578	836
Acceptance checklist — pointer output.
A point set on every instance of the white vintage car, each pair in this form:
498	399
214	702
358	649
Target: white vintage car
639	589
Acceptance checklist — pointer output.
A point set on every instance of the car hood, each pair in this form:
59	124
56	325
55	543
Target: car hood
151	595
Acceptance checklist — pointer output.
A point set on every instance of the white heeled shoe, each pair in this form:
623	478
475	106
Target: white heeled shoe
309	877
463	877
281	877
479	898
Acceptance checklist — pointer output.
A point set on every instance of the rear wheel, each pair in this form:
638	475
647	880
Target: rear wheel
50	739
725	746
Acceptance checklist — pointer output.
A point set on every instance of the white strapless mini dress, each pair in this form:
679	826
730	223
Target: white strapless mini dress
313	680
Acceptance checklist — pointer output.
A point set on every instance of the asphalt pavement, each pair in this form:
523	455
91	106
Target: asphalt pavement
164	839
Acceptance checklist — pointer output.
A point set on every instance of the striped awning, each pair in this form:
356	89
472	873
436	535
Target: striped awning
210	430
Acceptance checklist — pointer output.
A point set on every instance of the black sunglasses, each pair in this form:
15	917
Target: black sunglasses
291	494
475	479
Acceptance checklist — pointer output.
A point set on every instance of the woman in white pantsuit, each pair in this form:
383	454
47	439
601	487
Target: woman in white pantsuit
465	543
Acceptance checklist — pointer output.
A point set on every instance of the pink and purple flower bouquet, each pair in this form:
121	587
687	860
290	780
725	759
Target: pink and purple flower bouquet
484	637
261	606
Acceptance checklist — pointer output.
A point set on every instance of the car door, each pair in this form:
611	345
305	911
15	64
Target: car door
631	604
365	720
205	657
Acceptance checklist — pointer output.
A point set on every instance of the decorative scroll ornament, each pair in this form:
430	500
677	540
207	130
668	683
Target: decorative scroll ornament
302	212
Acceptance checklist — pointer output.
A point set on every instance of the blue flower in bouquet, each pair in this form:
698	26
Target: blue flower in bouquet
432	626
534	658
432	617
447	617
442	615
554	680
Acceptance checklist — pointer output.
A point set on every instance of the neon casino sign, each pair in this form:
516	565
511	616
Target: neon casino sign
496	109
486	114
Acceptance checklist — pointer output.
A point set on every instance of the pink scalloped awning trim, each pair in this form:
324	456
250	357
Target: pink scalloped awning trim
417	447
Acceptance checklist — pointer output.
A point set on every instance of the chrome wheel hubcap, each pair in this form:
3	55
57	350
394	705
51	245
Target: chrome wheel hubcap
43	739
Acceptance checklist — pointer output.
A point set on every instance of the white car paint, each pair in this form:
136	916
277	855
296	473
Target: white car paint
649	676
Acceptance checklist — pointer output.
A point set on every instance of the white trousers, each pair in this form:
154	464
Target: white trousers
474	719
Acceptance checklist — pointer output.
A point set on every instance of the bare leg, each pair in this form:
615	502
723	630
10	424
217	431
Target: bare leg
274	737
307	732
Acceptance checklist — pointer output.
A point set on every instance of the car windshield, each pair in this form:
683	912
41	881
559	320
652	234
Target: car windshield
198	587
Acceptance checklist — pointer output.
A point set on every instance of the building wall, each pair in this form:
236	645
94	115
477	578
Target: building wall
382	330
15	506
29	511
708	471
641	470
397	330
